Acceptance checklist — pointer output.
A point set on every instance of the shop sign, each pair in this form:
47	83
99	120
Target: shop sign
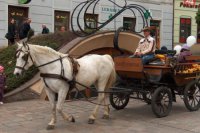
189	4
60	17
16	14
24	1
110	10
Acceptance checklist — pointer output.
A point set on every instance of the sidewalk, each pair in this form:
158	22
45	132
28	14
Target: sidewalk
33	116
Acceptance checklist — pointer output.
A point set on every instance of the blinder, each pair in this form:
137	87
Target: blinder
24	57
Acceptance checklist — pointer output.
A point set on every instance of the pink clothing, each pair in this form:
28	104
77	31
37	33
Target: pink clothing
2	85
182	55
146	45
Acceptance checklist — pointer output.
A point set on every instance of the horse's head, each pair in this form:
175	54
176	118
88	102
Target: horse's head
23	58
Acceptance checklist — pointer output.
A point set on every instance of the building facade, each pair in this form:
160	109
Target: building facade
184	20
57	13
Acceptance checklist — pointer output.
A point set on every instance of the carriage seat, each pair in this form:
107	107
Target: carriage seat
127	67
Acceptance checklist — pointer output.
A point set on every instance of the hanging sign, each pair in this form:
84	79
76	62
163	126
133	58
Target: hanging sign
24	1
189	4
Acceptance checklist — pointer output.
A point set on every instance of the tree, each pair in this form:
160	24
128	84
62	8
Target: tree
198	17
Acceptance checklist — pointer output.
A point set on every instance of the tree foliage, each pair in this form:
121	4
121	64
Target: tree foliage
198	17
8	60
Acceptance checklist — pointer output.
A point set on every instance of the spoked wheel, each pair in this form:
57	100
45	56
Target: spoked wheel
161	102
119	100
192	96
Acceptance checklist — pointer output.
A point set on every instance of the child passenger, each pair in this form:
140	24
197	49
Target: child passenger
185	51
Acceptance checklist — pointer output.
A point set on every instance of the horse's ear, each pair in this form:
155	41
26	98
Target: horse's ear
24	44
17	43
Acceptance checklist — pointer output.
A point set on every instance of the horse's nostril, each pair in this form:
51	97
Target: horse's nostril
17	74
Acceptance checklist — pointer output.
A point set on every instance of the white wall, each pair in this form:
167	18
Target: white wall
3	23
42	11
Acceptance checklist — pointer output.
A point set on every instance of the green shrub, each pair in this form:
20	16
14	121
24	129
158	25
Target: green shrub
7	57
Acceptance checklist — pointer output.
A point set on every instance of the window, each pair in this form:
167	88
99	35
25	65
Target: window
155	31
18	13
61	19
129	23
185	29
91	21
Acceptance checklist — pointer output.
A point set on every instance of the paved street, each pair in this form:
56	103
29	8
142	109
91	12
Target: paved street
33	116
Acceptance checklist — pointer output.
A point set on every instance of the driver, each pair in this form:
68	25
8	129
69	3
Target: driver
146	47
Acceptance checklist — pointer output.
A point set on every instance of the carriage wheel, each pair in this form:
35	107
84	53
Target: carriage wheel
119	100
192	96
161	101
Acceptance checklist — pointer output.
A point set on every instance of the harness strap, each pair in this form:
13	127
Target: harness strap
56	76
72	83
52	61
62	68
45	83
75	66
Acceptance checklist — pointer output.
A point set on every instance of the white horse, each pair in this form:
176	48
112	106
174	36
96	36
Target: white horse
93	69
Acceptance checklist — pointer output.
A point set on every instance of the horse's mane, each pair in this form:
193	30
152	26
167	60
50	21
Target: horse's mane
45	50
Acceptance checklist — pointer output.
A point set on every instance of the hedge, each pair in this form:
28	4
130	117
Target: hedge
8	60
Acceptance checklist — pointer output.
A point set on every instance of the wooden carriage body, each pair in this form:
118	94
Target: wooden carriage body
127	67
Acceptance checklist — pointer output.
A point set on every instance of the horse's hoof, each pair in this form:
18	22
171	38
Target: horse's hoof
105	117
91	121
50	127
72	119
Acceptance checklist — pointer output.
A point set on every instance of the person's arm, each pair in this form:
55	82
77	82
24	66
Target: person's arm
29	27
150	48
14	29
9	29
4	80
138	49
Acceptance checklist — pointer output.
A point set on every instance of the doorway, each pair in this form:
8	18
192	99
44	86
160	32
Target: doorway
18	13
155	31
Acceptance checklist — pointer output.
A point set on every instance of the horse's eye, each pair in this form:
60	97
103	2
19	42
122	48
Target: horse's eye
25	57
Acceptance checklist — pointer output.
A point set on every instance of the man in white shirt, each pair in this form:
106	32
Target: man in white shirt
146	47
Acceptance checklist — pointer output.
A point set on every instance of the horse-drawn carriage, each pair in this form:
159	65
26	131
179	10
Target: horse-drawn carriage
157	85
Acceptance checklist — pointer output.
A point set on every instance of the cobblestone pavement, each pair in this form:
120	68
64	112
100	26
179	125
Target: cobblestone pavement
137	117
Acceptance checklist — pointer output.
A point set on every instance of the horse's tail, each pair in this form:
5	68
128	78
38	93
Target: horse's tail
112	77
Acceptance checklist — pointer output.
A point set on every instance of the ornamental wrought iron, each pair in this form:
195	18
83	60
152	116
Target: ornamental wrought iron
80	11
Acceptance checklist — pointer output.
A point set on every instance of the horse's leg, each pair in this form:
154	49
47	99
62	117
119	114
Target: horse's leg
94	113
106	108
51	96
61	99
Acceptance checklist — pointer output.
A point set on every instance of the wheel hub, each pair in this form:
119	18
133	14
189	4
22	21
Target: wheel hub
162	102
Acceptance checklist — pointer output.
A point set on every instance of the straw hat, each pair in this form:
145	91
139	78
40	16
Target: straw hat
146	29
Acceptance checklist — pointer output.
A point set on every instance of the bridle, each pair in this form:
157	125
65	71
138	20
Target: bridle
25	57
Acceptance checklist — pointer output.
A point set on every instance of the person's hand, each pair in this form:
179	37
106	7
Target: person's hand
139	54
